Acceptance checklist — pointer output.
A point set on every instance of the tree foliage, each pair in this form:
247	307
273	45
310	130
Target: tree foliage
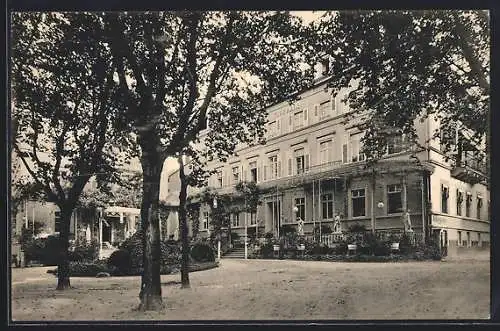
403	66
176	70
63	134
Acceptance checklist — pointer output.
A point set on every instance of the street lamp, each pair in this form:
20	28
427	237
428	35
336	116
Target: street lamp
99	217
214	204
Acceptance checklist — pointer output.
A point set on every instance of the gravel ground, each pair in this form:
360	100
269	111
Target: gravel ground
270	290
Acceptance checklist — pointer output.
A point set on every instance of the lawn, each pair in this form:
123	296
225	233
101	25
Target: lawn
270	289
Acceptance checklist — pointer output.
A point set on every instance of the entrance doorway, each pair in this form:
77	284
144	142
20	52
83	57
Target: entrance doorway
106	232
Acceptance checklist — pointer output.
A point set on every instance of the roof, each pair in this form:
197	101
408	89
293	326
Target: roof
125	210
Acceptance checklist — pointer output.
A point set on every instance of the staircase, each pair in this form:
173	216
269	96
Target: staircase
235	253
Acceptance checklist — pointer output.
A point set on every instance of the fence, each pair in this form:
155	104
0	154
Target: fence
334	238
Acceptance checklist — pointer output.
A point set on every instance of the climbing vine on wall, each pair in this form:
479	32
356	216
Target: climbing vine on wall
193	216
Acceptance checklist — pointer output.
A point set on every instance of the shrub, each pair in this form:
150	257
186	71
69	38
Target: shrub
88	269
374	246
429	250
405	244
120	259
325	229
44	250
85	252
170	252
287	229
356	228
267	250
340	248
202	252
316	249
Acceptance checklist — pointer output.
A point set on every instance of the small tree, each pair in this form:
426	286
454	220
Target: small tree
62	85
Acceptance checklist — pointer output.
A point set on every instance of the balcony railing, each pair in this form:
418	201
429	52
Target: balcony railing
469	170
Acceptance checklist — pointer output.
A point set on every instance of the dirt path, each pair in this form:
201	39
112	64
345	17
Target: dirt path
264	290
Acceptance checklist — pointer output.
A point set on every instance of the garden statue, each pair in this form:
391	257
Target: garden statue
407	221
300	224
336	226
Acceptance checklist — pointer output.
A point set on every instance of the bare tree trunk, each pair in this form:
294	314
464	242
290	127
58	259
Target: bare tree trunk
183	224
63	281
150	294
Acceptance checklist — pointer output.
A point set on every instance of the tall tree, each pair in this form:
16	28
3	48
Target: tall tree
406	65
62	85
176	70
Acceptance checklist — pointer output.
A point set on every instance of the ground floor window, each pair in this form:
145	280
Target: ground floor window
253	218
358	202
300	203
459	238
235	220
444	199
460	199
205	222
394	201
327	205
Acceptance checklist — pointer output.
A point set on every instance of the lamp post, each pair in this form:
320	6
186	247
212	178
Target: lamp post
214	204
380	205
246	230
99	217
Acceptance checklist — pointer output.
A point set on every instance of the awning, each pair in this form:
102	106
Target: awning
116	210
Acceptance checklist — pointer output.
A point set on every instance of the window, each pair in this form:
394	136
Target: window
479	239
479	205
300	203
444	199
253	218
298	120
274	128
344	149
219	178
468	203
236	175
57	221
356	155
301	161
253	171
273	167
394	200
325	109
395	144
467	243
460	199
325	151
205	221
344	154
235	220
327	205
358	202
459	238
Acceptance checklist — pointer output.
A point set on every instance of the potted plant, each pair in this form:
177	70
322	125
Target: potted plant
276	245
